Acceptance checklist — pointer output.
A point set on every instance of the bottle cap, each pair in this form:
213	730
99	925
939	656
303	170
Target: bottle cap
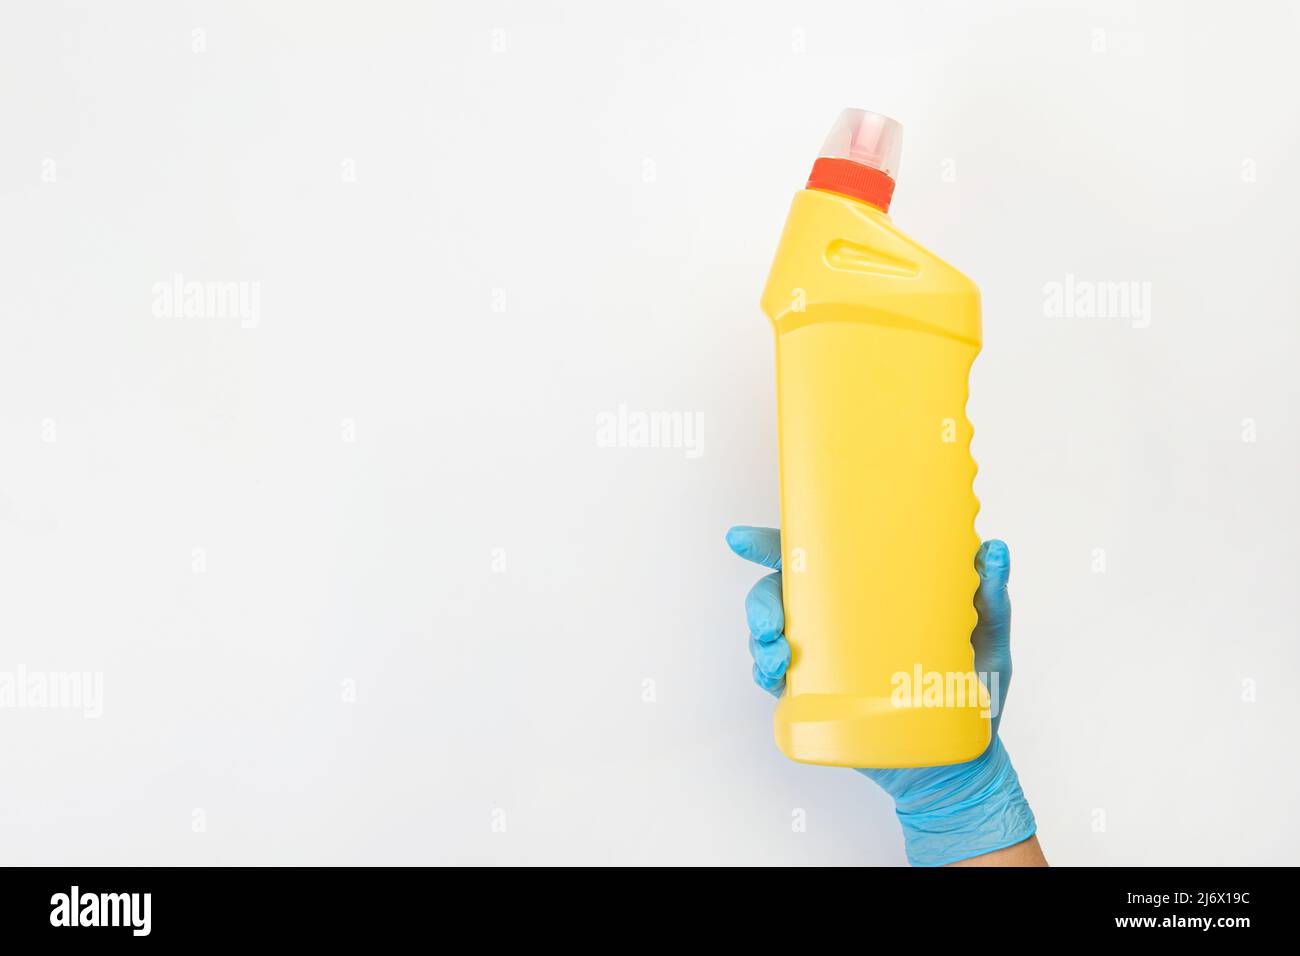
860	158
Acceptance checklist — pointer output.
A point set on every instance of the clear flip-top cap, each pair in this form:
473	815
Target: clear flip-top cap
867	138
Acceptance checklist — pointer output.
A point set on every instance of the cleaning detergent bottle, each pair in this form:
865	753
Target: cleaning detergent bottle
875	336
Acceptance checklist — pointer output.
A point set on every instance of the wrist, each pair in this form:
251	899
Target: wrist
976	811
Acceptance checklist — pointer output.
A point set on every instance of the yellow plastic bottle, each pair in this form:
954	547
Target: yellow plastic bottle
875	337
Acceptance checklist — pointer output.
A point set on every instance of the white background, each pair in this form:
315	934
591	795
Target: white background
615	177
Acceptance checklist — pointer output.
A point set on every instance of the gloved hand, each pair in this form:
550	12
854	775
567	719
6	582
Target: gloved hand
948	813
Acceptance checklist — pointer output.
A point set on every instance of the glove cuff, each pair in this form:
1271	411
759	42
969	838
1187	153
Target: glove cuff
987	812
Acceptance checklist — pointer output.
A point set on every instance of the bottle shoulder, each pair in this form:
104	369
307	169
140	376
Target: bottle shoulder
838	255
940	271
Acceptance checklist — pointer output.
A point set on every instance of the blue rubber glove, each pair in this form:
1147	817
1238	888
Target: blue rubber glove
948	813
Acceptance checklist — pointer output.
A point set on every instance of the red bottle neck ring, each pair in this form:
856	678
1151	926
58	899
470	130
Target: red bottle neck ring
847	178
